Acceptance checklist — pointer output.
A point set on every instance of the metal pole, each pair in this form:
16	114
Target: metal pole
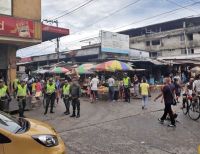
58	44
185	38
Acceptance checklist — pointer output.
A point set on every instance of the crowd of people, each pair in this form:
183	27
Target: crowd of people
71	90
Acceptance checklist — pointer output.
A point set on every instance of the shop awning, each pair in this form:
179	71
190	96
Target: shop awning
52	32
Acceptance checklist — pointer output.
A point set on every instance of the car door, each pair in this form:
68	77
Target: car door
1	149
3	140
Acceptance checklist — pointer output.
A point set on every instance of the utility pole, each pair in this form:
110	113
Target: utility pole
185	38
57	49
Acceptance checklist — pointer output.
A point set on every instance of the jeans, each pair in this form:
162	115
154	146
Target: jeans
50	99
66	101
168	110
144	100
22	105
76	106
111	93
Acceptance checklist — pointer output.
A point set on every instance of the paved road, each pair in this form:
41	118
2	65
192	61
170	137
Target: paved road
122	128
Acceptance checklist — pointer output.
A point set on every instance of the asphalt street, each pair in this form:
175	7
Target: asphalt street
122	128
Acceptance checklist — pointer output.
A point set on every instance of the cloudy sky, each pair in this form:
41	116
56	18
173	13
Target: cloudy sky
111	15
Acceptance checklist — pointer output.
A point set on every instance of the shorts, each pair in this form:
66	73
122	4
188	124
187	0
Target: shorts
94	92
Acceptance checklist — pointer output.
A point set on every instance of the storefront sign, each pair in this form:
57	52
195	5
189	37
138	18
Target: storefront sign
114	42
16	27
6	7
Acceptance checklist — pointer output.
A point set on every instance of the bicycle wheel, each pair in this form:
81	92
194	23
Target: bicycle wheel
186	107
194	110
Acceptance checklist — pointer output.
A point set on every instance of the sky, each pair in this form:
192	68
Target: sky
111	15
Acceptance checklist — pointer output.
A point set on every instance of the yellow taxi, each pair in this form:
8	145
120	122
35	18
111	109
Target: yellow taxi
28	136
199	149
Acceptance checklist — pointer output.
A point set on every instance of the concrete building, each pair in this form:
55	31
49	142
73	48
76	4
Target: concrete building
20	26
169	40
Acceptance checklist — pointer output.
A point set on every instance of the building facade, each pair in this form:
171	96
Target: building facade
20	26
170	40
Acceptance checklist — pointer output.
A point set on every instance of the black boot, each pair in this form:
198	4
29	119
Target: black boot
78	114
74	114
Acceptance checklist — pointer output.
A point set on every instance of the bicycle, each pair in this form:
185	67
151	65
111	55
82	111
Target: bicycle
191	106
194	108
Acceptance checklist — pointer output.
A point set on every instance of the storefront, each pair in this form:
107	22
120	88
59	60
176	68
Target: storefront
20	26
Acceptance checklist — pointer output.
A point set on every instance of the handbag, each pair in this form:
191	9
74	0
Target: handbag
174	102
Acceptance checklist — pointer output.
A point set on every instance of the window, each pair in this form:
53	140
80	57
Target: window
153	54
183	51
190	37
147	43
182	37
156	42
6	7
190	51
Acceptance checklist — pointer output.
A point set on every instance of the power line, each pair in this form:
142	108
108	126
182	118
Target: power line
70	9
111	14
77	8
144	19
182	6
154	16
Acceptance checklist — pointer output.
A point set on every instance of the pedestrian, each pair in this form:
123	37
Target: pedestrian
22	92
4	96
65	95
75	93
168	96
38	89
111	82
144	91
136	86
121	90
50	92
94	88
15	84
177	89
126	83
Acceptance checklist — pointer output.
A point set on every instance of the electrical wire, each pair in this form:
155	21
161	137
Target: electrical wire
182	7
77	8
175	3
66	11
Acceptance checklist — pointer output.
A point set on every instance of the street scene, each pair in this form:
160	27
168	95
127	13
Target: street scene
99	77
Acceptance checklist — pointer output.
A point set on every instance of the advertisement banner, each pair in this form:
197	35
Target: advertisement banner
6	7
114	42
16	27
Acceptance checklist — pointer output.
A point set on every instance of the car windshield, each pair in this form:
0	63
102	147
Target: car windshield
10	123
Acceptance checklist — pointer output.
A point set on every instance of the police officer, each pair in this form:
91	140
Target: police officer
22	93
15	84
50	91
66	97
126	83
4	96
75	92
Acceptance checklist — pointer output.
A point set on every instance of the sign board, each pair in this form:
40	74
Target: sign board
22	68
114	42
6	7
16	27
88	52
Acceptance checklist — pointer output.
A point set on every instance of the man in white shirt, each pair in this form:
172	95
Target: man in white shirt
94	88
111	82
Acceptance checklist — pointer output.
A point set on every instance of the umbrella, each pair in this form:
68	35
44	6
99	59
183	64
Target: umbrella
113	65
41	71
59	70
85	69
195	69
